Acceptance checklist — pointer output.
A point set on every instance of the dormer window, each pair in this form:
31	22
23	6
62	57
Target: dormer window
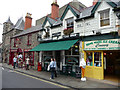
47	32
104	18
70	22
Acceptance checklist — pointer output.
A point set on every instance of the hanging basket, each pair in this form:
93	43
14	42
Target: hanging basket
68	31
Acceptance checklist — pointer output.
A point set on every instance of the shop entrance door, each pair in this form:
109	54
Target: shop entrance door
58	57
111	65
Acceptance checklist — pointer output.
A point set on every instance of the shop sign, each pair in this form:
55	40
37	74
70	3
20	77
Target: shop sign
110	44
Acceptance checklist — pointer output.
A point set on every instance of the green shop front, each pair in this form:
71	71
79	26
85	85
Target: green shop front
66	53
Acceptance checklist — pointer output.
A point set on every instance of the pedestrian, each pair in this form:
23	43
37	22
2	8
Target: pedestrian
82	66
52	68
27	63
55	66
14	61
20	60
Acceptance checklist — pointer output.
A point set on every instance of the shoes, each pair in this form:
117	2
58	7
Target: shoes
83	79
51	78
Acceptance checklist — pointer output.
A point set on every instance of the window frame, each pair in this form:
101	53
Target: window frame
29	39
104	12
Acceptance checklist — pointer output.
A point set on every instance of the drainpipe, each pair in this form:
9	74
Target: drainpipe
83	27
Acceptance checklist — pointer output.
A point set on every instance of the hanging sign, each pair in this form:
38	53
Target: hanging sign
110	44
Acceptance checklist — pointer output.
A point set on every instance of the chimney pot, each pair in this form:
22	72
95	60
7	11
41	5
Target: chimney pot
28	21
94	2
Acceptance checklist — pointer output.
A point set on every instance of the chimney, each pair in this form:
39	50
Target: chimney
28	21
54	10
94	2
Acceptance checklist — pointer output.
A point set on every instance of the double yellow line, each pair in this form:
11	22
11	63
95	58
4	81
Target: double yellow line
43	80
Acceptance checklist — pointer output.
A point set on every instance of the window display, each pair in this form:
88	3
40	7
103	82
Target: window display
97	59
89	59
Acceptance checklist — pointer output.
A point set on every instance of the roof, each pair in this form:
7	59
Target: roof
8	20
76	4
86	12
89	11
29	30
20	24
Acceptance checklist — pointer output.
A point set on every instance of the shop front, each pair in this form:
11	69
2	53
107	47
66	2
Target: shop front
30	55
100	56
66	53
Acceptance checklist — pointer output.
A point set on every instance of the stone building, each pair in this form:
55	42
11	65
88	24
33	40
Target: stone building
9	30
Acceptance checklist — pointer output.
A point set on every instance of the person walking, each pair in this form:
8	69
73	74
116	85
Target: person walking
82	66
52	68
14	61
27	63
55	66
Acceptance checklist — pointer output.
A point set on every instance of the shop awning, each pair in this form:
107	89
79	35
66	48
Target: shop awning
54	46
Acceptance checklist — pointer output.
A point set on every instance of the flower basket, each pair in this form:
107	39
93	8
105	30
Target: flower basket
68	31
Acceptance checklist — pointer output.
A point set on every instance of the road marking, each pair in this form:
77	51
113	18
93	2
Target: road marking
42	80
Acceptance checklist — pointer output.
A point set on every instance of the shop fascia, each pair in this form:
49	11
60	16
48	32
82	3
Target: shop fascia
110	44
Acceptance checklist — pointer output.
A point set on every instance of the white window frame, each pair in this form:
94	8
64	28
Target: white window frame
107	10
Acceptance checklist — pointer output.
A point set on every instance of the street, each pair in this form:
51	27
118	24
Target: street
12	79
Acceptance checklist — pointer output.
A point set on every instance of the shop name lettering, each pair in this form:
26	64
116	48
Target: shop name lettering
103	41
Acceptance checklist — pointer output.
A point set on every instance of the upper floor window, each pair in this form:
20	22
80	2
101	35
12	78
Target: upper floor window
70	26
47	32
70	22
104	18
17	41
29	41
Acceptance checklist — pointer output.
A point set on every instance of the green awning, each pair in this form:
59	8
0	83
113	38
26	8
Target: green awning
53	46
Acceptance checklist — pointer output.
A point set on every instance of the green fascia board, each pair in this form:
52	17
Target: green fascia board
54	46
46	19
96	6
66	10
99	2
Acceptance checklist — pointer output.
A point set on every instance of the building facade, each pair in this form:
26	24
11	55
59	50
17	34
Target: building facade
98	30
72	33
9	30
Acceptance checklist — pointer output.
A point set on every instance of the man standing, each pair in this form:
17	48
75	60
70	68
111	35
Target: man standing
52	68
14	61
55	66
27	63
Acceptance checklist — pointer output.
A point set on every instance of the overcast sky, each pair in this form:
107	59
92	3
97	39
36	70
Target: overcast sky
38	8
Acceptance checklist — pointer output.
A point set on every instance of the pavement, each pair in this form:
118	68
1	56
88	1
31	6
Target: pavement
67	80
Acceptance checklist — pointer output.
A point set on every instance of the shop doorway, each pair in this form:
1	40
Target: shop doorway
111	65
58	58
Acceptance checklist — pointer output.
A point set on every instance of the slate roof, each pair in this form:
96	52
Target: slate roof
86	12
78	5
8	20
20	24
52	21
29	30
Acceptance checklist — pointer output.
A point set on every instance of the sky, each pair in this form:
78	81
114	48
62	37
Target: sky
38	8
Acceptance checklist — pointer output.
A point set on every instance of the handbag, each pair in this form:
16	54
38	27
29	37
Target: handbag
48	68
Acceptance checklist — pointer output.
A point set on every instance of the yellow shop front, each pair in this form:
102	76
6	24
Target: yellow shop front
95	53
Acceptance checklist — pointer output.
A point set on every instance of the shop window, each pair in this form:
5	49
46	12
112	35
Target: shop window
97	59
30	55
89	59
104	18
74	50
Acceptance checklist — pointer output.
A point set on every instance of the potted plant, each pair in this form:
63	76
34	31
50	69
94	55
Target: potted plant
68	31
